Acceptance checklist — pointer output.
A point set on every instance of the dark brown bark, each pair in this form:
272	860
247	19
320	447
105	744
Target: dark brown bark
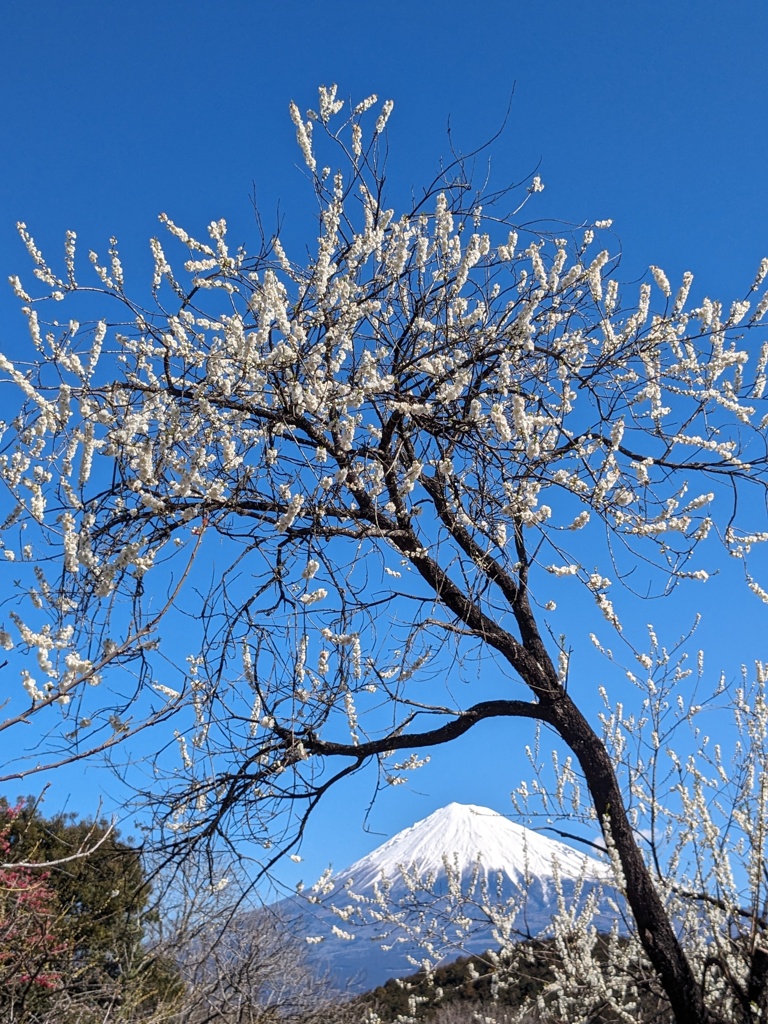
654	927
529	658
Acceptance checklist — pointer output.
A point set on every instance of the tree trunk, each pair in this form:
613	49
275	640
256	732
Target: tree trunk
653	925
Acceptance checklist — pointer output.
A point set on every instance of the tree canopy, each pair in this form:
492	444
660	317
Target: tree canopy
84	939
295	501
73	929
99	879
31	944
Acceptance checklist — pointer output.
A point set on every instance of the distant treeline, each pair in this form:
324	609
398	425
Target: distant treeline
493	983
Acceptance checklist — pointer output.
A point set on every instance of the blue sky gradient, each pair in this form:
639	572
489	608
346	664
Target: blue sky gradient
652	114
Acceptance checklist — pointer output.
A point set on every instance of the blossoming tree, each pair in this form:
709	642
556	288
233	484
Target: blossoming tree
333	484
32	943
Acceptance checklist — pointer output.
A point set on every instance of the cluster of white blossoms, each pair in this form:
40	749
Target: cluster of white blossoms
229	466
316	354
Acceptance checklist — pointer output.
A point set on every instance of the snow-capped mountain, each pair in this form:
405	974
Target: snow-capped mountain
455	882
467	835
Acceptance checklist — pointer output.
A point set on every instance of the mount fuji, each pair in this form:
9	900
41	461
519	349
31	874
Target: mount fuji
461	881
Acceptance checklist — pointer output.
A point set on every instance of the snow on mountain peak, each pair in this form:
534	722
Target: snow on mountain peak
360	936
465	835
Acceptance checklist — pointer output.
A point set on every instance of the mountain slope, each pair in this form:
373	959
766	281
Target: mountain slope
458	881
466	835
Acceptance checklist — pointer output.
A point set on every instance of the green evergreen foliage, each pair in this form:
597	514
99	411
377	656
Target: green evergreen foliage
100	880
467	980
84	939
97	883
490	984
30	941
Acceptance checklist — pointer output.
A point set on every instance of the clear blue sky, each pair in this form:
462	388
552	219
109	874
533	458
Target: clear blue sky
650	113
